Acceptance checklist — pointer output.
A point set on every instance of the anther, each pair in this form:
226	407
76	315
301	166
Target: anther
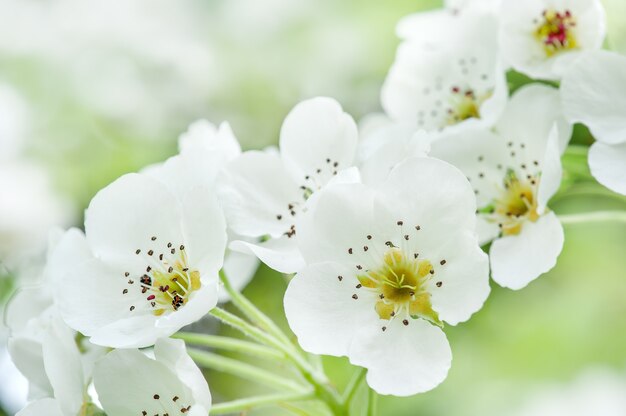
153	238
148	269
369	237
442	262
132	308
340	278
169	245
151	297
170	269
137	251
126	274
150	252
359	286
172	251
182	247
350	251
365	248
359	267
405	322
417	227
156	397
381	296
279	217
400	222
125	291
406	237
355	297
175	398
415	255
335	164
438	284
384	328
432	271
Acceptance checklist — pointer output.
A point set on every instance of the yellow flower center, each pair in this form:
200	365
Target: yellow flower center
401	285
517	203
555	32
465	104
167	282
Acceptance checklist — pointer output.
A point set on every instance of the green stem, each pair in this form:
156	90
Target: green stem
240	369
590	217
353	385
241	405
317	380
372	402
244	327
251	311
230	344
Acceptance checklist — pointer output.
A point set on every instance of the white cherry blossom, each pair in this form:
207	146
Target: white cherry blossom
451	84
147	264
594	93
514	171
386	267
541	38
264	192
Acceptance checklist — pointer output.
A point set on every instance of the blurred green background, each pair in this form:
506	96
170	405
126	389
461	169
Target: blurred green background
109	88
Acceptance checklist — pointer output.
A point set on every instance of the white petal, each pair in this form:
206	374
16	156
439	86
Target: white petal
200	302
551	171
27	303
255	188
608	165
340	219
316	131
123	217
281	254
89	297
402	360
431	193
532	112
63	366
204	230
519	259
128	382
48	407
202	135
27	355
134	332
173	353
464	279
594	93
321	311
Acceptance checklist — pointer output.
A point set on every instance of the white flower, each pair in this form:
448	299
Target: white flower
595	392
204	151
594	93
457	84
147	264
514	173
264	193
128	382
541	38
385	269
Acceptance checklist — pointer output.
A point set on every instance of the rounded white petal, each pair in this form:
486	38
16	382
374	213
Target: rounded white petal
551	170
199	303
315	135
134	332
27	355
402	360
173	353
431	193
517	260
321	311
128	382
47	406
63	366
201	135
27	303
281	254
123	217
608	165
89	297
464	280
204	230
594	93
532	112
254	190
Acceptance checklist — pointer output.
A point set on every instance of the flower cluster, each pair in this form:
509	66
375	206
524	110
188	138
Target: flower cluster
388	232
